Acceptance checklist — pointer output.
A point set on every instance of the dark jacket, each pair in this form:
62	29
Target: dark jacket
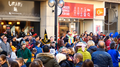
102	58
114	54
14	43
92	49
22	34
79	64
66	63
48	59
5	65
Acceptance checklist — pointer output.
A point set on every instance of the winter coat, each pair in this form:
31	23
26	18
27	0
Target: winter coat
4	65
86	54
48	59
79	64
114	55
6	47
102	58
14	43
92	49
25	54
39	50
66	63
107	43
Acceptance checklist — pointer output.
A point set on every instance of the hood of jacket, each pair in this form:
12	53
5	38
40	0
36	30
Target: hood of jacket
45	57
94	48
80	49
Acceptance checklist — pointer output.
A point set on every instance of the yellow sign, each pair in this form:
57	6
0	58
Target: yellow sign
100	11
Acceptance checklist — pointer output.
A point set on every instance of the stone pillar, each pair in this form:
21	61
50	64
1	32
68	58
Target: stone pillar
47	19
118	27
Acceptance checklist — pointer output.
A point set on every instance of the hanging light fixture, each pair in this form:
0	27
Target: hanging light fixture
61	3
18	23
51	3
2	23
9	23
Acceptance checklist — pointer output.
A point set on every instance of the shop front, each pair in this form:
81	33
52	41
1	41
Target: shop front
18	15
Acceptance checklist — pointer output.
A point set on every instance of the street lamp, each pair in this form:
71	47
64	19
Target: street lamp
56	3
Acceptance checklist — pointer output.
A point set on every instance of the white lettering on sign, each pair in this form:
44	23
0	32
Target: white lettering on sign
15	4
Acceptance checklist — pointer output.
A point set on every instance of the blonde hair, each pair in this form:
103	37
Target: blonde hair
90	43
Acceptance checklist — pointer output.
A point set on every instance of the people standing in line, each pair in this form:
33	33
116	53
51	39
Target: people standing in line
114	54
100	57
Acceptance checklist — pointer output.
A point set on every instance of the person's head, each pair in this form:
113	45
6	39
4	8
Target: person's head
74	31
77	58
4	39
38	44
51	39
101	44
2	35
24	37
71	51
14	64
30	37
37	38
3	59
36	63
22	30
20	61
91	34
14	38
85	32
62	37
34	50
63	50
112	45
60	57
67	32
70	33
101	33
27	41
90	43
40	39
107	37
52	44
23	43
46	48
88	63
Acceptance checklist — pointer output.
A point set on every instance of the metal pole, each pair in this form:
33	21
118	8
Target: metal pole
56	20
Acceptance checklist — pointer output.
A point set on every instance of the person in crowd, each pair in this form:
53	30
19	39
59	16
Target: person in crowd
3	61
91	34
20	62
88	63
53	49
71	39
14	42
107	43
85	38
78	59
47	58
51	39
61	42
114	54
83	51
1	37
100	57
60	57
14	64
34	41
13	53
91	47
86	33
36	63
23	39
95	38
66	37
22	34
38	48
111	36
27	44
33	54
24	52
6	46
30	39
71	53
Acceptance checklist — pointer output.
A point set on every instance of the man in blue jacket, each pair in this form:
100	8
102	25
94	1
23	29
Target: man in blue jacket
100	57
114	54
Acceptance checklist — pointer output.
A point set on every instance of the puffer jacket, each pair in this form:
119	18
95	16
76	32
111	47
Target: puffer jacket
92	49
85	53
48	59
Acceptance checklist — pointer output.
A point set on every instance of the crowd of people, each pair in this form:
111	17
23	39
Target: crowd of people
71	50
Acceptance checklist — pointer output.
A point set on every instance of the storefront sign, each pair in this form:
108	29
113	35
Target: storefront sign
75	10
100	11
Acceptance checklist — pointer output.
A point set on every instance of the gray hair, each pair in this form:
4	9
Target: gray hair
101	44
60	50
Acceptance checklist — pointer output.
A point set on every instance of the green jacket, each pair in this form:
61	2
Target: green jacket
86	54
25	54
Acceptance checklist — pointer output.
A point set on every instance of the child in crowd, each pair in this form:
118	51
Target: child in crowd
39	49
13	54
33	54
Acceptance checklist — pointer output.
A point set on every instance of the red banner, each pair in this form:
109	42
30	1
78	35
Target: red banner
75	10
